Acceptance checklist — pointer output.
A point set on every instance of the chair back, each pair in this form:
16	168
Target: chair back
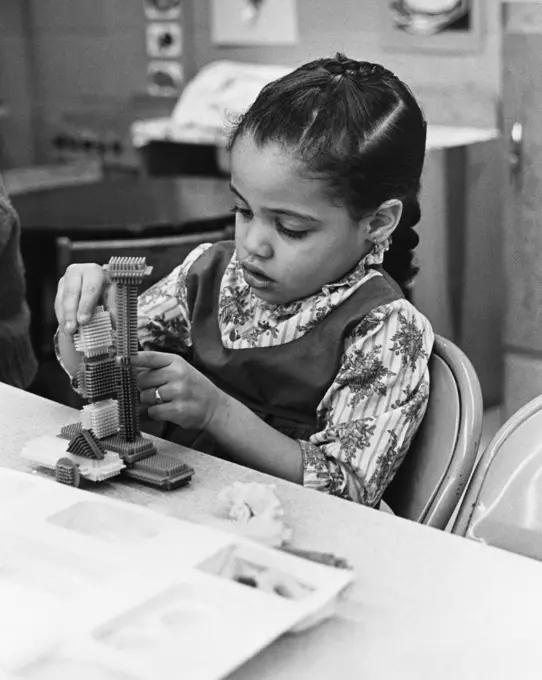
430	481
503	503
164	253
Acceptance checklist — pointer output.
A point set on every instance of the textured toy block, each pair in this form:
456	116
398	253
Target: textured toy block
86	445
162	471
66	472
130	452
97	379
128	398
102	417
126	303
128	270
127	273
100	470
96	337
69	431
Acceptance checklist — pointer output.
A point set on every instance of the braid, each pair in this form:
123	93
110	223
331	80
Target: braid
399	259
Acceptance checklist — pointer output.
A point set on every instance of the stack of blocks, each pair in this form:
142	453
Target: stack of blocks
107	381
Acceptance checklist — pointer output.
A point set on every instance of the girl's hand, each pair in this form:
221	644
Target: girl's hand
79	291
189	399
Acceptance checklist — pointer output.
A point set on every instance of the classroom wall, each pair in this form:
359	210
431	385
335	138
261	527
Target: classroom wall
16	125
85	60
455	88
89	61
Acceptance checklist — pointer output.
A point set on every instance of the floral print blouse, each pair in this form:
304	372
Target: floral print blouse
369	414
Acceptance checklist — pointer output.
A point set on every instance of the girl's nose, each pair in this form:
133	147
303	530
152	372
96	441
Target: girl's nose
257	239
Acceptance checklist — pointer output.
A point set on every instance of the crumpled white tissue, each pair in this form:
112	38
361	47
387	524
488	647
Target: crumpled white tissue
255	511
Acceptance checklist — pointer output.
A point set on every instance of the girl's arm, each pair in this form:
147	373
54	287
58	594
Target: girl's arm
192	401
373	409
253	443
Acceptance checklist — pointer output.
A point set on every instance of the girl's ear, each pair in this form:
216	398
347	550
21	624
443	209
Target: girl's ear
382	224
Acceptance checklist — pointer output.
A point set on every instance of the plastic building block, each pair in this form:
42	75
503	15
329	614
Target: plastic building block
86	444
69	431
48	451
101	470
162	471
97	464
98	378
127	273
130	452
96	337
101	417
128	397
45	451
66	472
111	426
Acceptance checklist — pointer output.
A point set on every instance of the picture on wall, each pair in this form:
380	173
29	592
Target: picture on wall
162	10
164	78
432	25
164	40
427	17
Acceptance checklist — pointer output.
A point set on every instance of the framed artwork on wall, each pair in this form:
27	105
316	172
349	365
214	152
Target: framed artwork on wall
162	10
432	25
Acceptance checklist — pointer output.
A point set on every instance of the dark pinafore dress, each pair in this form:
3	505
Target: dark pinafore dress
283	384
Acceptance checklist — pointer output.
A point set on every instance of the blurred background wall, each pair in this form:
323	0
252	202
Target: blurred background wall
82	63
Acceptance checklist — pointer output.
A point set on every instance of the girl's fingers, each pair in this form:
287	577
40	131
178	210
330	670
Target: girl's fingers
149	379
78	293
164	412
154	360
92	284
71	294
59	310
148	396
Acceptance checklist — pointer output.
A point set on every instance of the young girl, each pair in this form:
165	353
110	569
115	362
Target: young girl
293	351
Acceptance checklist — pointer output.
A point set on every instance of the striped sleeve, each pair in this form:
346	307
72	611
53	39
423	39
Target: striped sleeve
372	410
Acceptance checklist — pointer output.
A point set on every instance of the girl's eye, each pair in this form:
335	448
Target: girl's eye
245	213
289	233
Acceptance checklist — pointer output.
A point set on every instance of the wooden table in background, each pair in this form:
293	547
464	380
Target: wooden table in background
124	207
425	605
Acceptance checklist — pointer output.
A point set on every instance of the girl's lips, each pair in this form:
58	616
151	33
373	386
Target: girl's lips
256	278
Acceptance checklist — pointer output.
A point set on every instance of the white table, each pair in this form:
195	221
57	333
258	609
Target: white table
425	604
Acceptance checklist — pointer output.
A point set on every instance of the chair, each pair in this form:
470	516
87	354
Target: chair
164	253
503	503
429	483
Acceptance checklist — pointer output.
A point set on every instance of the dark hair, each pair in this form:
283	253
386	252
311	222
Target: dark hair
359	127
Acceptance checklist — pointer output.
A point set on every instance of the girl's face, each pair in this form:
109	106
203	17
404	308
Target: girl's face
290	238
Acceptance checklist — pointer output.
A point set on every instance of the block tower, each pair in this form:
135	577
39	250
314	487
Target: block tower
107	381
127	273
